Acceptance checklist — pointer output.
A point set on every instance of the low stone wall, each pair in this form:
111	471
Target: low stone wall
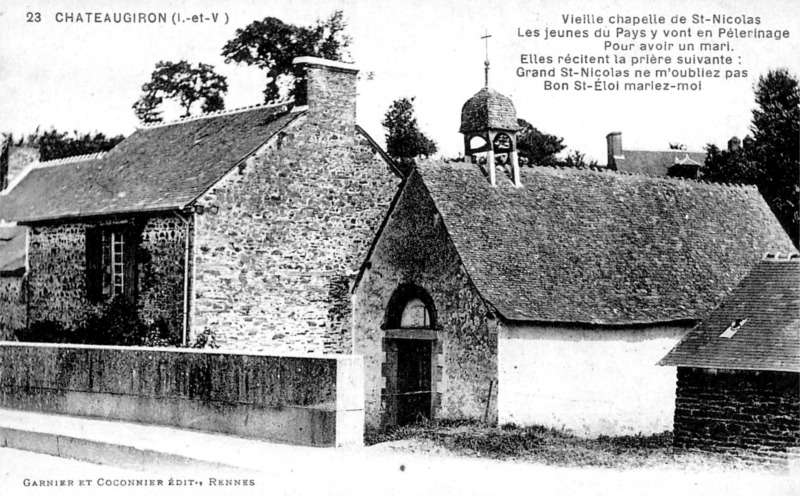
737	410
307	400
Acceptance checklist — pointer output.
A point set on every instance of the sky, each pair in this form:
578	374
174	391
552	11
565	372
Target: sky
86	76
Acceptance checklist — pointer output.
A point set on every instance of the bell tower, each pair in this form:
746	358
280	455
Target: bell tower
489	125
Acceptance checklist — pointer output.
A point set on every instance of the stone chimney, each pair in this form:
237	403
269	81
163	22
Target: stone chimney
328	88
734	144
5	148
614	143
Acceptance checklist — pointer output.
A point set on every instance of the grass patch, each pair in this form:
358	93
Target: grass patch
548	446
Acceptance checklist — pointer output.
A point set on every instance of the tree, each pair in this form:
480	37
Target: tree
735	166
771	160
776	134
676	146
404	140
577	159
54	144
184	82
271	44
535	147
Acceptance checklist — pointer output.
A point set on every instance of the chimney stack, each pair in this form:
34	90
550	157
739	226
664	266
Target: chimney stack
734	144
328	88
614	143
5	147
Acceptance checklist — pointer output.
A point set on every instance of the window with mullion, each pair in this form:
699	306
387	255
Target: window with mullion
109	259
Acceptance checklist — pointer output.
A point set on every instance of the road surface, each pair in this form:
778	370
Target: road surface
379	472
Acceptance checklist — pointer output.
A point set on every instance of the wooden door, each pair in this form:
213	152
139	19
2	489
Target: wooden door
413	380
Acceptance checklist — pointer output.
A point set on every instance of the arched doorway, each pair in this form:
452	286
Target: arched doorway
410	344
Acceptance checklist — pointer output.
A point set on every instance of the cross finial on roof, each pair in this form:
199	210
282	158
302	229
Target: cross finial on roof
486	63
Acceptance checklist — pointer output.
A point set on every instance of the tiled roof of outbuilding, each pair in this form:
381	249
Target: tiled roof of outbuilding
597	247
769	298
488	109
165	166
655	163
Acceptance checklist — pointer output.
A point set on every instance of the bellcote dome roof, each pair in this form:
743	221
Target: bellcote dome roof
488	109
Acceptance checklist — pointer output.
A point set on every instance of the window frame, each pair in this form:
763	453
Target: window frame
111	262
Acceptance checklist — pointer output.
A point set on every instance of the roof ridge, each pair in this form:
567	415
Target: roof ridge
660	151
776	257
598	170
208	115
604	170
68	160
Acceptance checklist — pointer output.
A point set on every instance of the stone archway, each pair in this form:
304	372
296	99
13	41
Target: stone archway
411	344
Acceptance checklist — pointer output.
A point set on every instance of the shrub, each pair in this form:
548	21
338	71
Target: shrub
206	339
46	331
158	334
118	324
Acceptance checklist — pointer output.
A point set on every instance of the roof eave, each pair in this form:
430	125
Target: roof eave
81	217
682	322
665	362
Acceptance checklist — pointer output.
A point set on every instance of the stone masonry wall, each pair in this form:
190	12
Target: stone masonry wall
57	276
415	248
737	410
12	306
274	264
162	254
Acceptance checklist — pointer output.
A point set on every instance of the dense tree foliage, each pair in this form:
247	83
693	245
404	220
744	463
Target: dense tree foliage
271	44
55	144
185	83
771	159
404	140
537	148
737	166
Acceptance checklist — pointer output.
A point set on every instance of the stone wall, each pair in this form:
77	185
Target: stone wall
162	255
12	306
274	264
592	381
737	410
57	275
414	248
309	400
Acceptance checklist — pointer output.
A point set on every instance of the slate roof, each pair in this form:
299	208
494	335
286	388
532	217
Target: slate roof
12	251
488	109
655	163
769	298
160	167
601	247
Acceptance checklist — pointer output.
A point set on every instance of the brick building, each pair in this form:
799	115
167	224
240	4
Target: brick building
250	222
543	295
738	370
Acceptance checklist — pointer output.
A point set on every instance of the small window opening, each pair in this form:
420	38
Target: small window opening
415	314
733	328
477	142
